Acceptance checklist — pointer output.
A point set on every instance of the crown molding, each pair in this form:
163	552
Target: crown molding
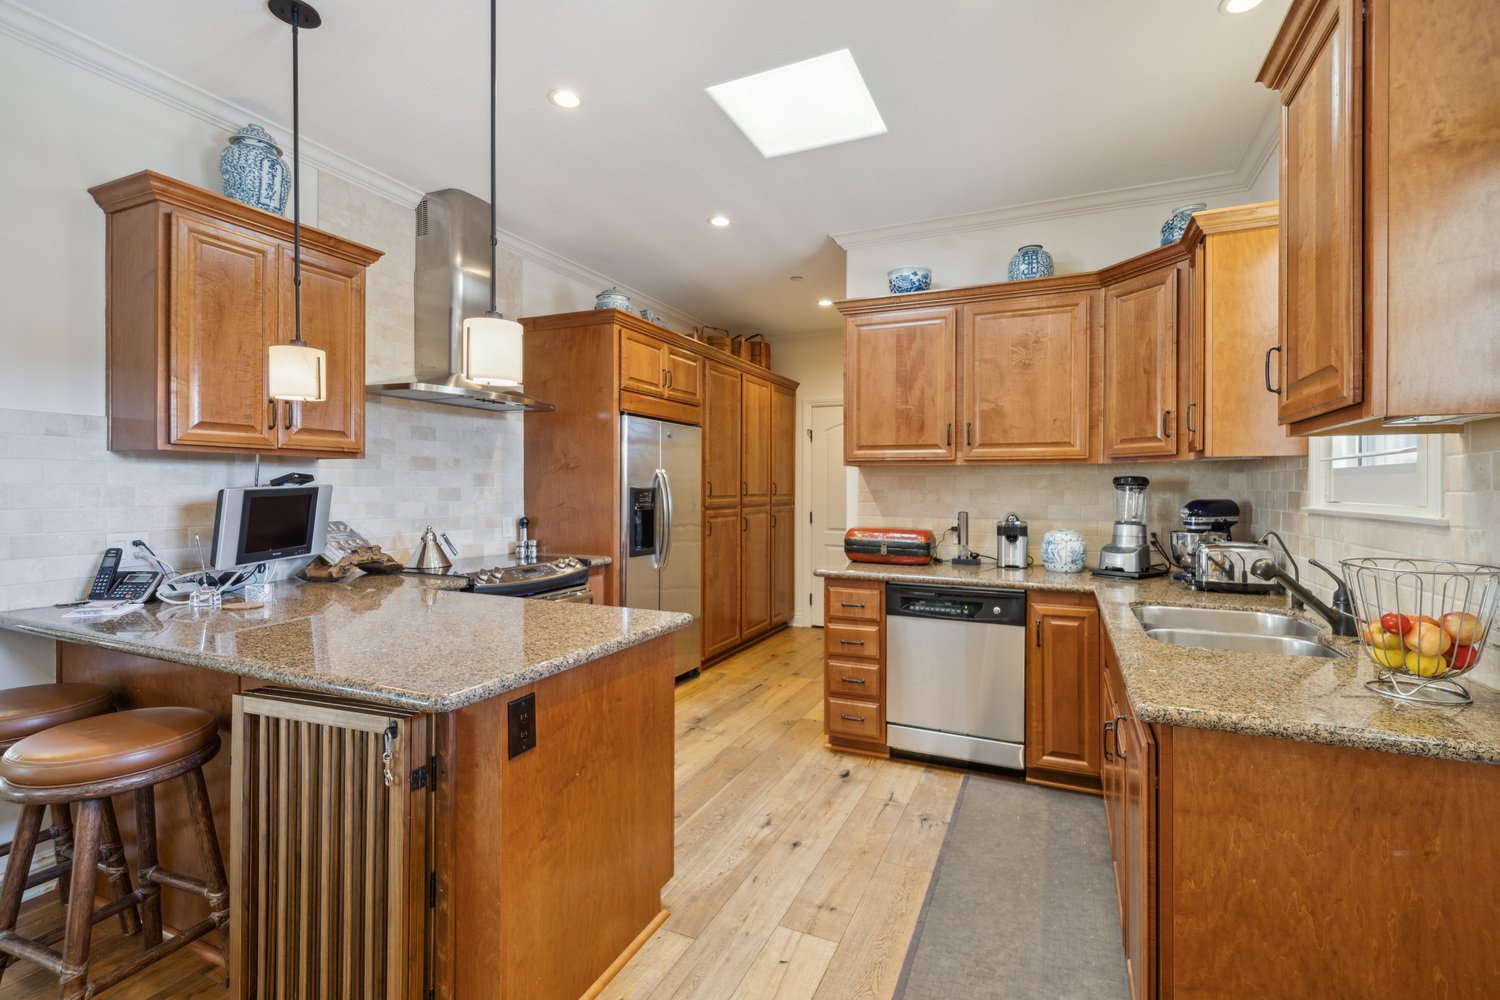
110	64
1262	148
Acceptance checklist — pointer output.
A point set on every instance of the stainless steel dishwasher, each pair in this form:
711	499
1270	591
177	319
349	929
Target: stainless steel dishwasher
956	673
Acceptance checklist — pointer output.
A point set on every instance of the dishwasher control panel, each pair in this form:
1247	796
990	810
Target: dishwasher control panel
973	604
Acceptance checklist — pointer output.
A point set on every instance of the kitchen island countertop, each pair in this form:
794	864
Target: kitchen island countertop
1260	694
404	641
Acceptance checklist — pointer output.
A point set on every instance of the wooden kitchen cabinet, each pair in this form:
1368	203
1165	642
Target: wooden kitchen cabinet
755	570
1231	336
1140	365
783	557
755	440
783	444
1388	146
721	435
200	287
1130	779
651	368
721	581
1062	690
899	386
854	665
1025	366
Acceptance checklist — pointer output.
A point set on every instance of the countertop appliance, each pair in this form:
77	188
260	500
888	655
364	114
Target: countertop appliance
965	556
1128	555
662	494
1225	566
557	578
1202	521
900	546
956	673
1010	543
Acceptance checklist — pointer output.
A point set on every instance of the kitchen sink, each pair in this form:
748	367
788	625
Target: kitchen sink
1254	623
1239	631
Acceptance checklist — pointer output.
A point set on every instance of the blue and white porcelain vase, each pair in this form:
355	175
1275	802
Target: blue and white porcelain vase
1173	228
253	172
1031	261
1063	551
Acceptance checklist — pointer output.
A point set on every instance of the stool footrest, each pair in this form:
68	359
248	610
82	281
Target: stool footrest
146	958
32	951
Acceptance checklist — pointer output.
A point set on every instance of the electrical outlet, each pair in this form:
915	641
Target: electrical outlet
129	557
521	714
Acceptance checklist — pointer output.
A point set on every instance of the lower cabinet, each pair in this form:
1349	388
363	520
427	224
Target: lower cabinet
854	665
721	581
1128	748
755	570
783	562
1062	690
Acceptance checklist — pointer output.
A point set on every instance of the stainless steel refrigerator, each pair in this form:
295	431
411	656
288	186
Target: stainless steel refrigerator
663	524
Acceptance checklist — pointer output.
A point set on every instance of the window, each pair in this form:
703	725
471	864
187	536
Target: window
1398	476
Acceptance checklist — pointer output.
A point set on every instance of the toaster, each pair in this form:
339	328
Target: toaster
903	546
1225	566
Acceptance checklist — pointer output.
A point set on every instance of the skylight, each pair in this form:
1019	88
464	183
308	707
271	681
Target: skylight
817	102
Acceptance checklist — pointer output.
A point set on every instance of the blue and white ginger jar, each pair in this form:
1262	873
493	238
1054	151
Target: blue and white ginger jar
612	298
1063	551
1031	261
253	172
905	280
1173	228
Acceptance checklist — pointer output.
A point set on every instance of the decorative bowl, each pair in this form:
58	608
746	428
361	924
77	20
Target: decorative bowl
903	280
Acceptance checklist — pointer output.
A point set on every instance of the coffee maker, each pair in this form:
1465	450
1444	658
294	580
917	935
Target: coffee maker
1128	554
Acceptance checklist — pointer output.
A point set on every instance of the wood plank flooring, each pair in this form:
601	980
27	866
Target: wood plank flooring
799	871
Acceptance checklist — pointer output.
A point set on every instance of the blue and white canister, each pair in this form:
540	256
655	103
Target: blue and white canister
1031	261
253	172
1173	228
1063	551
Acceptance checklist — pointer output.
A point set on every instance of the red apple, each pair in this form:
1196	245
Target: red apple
1461	657
1392	622
1463	628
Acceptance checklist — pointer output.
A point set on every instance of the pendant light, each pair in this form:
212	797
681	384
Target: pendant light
492	344
297	372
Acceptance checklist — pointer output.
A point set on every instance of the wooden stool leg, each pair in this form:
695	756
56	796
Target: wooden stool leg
62	846
208	847
73	979
146	863
112	861
28	829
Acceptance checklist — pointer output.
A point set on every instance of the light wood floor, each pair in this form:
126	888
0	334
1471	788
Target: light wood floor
800	871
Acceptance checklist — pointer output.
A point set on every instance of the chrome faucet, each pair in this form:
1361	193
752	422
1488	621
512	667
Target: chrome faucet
1296	602
1340	617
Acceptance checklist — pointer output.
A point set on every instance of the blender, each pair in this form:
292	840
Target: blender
1128	554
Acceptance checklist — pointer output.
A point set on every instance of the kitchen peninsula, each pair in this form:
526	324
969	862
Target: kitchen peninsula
514	845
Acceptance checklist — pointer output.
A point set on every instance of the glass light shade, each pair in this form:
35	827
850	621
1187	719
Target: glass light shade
492	351
298	373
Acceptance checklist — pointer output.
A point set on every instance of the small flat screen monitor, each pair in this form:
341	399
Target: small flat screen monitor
262	524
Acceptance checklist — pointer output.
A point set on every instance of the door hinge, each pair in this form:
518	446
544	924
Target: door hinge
431	890
809	599
809	517
809	433
426	775
432	993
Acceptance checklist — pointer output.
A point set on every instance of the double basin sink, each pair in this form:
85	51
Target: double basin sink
1240	631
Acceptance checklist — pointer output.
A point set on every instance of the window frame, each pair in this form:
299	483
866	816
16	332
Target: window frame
1422	504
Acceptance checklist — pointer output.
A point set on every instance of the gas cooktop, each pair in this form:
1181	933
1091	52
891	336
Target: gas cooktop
497	575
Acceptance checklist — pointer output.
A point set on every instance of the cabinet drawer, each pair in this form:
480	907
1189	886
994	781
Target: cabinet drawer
851	677
854	603
858	720
852	640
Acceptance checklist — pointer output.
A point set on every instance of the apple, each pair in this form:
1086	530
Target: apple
1463	628
1379	638
1427	638
1392	622
1424	666
1461	657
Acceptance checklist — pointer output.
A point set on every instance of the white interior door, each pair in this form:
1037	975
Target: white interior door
826	478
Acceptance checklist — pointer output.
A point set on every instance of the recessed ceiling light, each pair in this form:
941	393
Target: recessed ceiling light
565	98
1237	6
825	302
816	102
718	220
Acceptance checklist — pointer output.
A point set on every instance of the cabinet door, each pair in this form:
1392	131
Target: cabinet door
783	554
1322	338
899	387
721	435
1139	922
721	580
643	366
755	440
1062	689
333	320
1026	378
755	570
1194	387
1140	366
684	375
224	285
783	445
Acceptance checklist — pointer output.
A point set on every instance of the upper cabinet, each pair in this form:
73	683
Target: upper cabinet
654	369
783	444
1389	138
1140	365
200	287
899	386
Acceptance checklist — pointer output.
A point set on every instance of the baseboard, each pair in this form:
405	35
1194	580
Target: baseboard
625	956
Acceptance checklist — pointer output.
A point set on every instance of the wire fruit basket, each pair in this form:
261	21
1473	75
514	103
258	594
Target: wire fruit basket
1424	623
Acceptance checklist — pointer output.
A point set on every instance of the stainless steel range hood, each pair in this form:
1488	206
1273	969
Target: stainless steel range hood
452	284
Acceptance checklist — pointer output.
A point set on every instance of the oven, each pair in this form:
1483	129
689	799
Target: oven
569	595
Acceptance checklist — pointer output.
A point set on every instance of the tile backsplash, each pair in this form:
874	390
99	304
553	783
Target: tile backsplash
64	496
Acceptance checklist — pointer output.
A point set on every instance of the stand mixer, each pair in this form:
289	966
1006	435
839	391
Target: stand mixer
1202	521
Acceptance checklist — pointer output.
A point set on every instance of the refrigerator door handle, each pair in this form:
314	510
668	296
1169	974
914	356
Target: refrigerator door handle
664	511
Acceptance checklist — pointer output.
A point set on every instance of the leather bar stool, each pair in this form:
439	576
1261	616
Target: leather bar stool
26	711
83	763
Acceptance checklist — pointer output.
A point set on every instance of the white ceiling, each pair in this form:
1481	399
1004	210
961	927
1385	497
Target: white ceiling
989	103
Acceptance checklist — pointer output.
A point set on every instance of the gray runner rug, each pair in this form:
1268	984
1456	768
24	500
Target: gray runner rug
1022	904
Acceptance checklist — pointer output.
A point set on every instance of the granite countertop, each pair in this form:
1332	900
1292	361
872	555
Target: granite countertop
409	642
1261	694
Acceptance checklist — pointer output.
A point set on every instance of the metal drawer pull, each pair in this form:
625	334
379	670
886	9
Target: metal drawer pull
1190	428
1109	758
851	642
851	718
847	604
1269	386
288	424
1166	429
1118	752
851	680
272	404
